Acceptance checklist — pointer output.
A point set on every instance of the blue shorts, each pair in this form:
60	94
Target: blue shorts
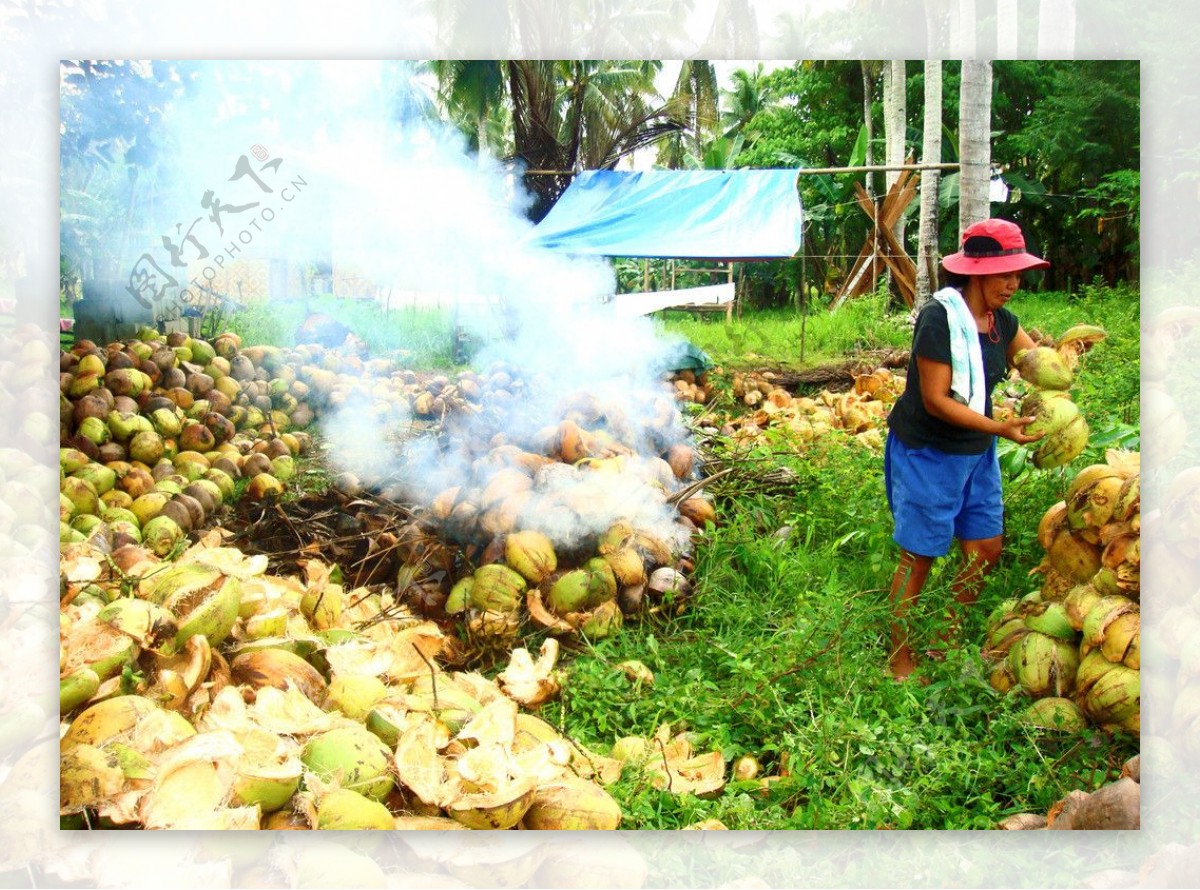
936	497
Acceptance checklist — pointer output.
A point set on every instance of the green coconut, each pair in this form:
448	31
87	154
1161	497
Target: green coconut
76	688
1115	698
210	610
497	588
1063	445
1100	617
347	810
1043	665
1055	713
162	534
354	756
460	596
531	554
1043	367
605	620
1051	618
570	591
1051	411
602	582
1079	601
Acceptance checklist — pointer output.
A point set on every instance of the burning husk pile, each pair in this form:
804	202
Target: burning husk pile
1075	644
1116	806
861	412
204	693
156	432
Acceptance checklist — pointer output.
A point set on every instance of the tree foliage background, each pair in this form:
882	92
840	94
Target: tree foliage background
1065	138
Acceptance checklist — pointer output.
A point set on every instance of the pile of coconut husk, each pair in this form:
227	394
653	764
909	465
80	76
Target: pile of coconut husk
860	413
1116	806
205	692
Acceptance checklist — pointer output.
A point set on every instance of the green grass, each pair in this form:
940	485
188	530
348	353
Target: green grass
781	651
417	337
781	654
776	336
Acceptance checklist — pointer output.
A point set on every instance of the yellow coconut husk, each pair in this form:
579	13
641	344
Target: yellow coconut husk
494	811
1073	557
278	669
530	683
88	776
180	675
419	766
699	775
194	782
572	804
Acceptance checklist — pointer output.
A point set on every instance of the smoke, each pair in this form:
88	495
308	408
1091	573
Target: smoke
352	163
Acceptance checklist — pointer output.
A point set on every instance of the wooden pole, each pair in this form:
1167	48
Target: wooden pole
729	305
803	321
875	168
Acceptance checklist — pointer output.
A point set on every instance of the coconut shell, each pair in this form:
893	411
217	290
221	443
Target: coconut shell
278	669
572	804
1062	814
1114	807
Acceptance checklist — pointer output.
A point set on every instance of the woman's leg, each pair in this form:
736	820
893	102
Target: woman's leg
907	582
979	558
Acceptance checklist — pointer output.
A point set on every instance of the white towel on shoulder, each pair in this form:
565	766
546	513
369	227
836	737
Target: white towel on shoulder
967	383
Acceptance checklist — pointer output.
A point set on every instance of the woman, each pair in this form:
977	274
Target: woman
940	465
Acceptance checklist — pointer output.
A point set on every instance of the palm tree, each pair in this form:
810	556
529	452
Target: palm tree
582	115
895	126
750	95
695	104
975	144
560	117
870	72
472	93
931	153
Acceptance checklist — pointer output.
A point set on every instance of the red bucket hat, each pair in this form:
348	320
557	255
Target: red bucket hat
992	247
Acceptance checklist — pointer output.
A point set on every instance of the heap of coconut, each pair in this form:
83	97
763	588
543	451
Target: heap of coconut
860	413
692	386
155	433
204	693
1075	645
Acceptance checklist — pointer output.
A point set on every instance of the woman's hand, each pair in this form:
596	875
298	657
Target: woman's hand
1014	430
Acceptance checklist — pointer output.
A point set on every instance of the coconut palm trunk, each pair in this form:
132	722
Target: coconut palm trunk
975	145
895	114
868	84
931	153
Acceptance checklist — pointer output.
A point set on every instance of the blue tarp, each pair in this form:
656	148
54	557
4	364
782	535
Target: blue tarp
694	214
